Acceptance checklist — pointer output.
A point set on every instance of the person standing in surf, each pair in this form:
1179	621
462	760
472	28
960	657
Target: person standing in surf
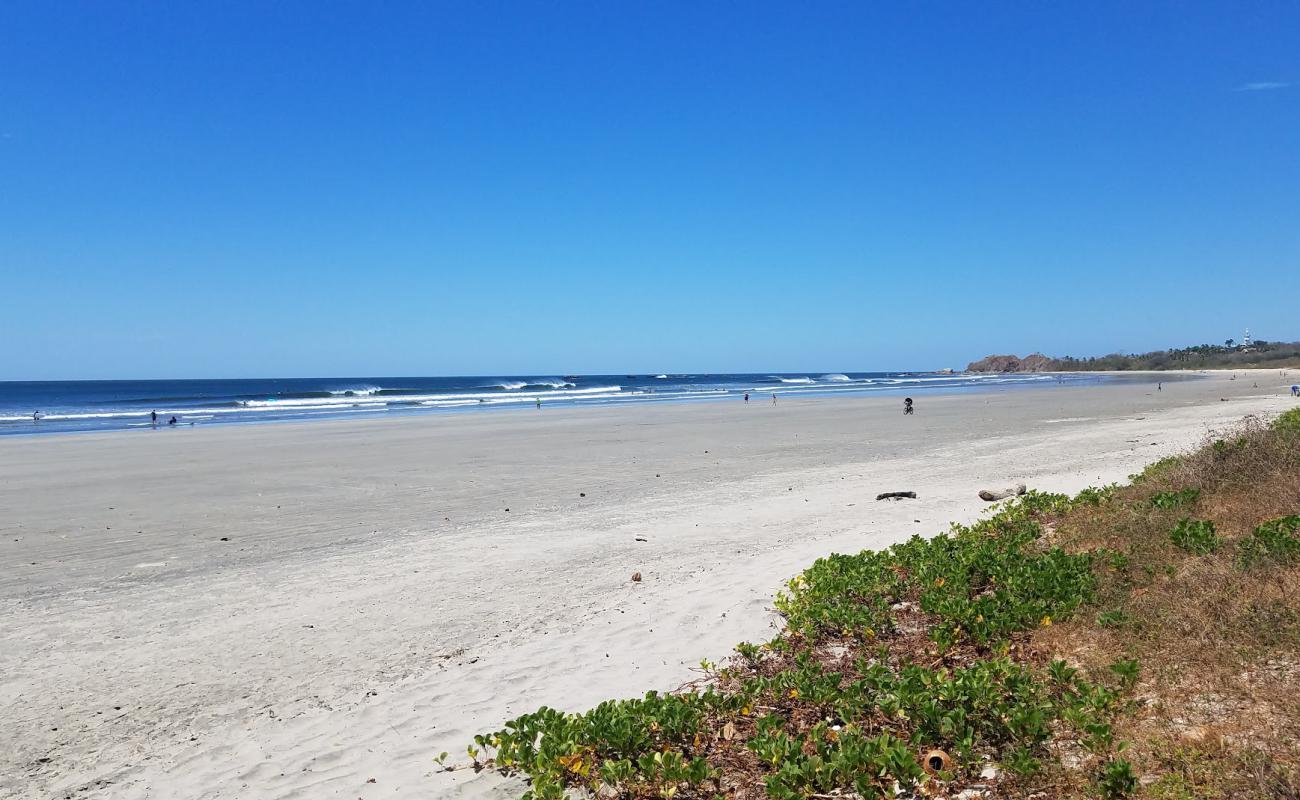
746	397
153	416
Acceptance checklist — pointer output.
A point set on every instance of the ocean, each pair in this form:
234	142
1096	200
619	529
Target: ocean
64	406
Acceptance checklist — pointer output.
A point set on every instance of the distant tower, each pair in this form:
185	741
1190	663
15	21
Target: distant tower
1245	341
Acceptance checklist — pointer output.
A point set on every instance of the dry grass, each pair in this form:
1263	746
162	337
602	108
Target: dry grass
1219	644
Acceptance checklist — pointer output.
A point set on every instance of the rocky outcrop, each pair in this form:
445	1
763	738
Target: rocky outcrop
1037	362
1034	362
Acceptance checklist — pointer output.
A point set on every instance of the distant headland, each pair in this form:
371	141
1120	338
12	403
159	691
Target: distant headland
1248	354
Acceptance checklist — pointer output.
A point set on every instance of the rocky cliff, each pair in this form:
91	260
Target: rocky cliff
1034	362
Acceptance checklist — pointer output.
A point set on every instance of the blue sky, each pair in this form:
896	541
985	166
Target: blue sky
308	188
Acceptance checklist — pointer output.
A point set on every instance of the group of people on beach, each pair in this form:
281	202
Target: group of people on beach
153	417
907	402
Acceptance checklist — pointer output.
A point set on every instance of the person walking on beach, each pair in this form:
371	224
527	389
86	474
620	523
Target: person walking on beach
773	398
1160	387
1295	391
907	405
539	402
746	397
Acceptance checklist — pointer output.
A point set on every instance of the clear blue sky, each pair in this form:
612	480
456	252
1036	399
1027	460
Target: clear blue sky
328	188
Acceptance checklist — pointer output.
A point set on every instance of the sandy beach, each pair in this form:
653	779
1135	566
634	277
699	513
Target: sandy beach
316	610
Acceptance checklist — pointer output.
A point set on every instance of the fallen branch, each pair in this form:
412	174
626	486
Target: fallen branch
895	495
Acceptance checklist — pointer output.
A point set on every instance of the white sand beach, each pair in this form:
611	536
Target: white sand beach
316	610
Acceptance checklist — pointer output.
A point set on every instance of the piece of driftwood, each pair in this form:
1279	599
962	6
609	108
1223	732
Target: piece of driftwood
895	495
994	494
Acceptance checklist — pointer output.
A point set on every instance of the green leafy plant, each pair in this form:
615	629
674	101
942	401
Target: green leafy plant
1182	497
1276	541
1112	619
841	710
1117	779
1127	669
1094	495
1195	536
1288	422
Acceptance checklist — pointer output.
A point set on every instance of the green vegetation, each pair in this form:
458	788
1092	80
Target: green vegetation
1289	423
1195	536
1229	355
1175	499
1020	642
1276	541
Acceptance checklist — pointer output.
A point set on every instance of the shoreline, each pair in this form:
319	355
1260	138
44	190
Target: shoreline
77	407
376	604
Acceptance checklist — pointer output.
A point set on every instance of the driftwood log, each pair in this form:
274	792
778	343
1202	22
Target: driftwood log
994	494
895	495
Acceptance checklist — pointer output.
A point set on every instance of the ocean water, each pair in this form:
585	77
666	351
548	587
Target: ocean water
65	406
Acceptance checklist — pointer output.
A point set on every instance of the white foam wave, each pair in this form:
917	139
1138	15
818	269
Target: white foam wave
531	397
836	377
420	399
514	386
53	417
362	391
795	380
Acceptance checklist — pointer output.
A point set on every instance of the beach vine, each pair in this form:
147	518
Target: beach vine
957	666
